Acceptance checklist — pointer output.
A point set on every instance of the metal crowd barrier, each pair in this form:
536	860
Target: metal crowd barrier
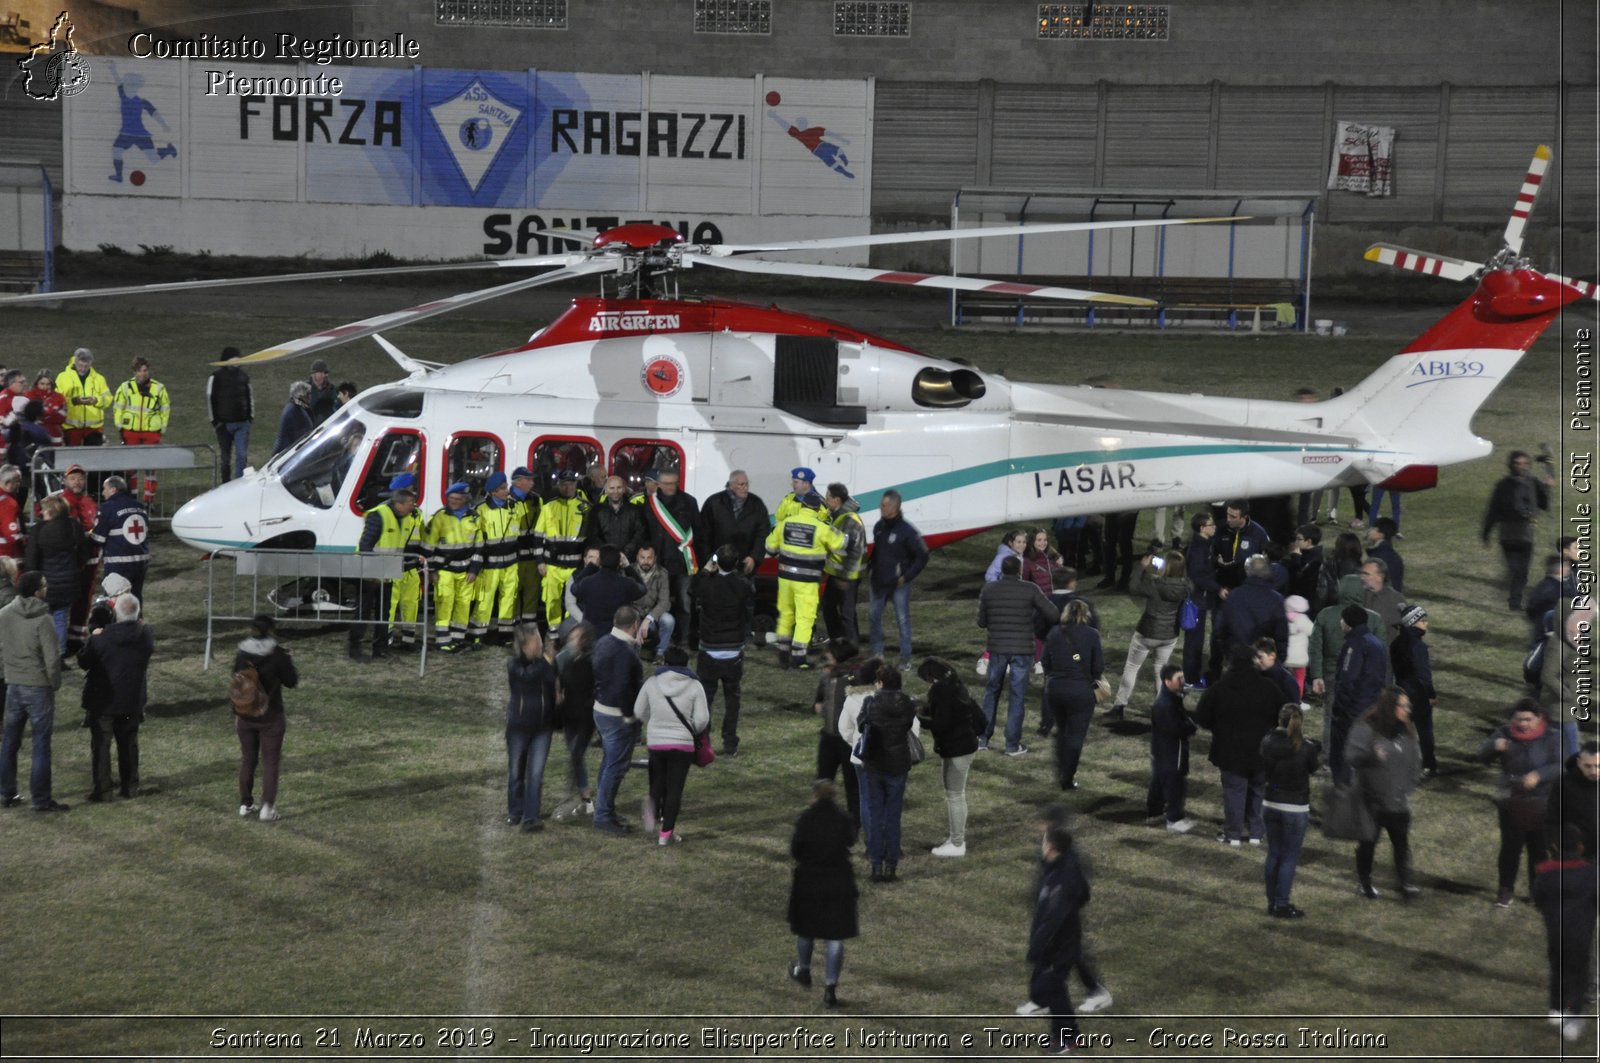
309	587
184	471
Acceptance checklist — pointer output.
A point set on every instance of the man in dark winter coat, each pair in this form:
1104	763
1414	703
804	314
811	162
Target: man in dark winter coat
1011	609
1576	800
116	659
1170	728
1234	545
1382	598
615	522
1361	675
295	422
1413	673
601	592
898	556
618	675
1565	889
1304	562
735	516
670	516
1239	709
232	409
1055	940
726	600
1380	545
1517	501
1253	610
324	396
1067	593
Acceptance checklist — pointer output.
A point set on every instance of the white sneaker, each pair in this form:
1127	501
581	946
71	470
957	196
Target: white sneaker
269	813
1038	668
1099	1000
950	848
1030	1008
983	666
246	811
1181	826
1572	1029
1557	1017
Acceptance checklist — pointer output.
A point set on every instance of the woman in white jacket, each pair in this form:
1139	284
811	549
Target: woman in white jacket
672	706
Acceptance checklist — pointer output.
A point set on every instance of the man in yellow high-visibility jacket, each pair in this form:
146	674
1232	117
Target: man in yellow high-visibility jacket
88	397
494	599
140	409
802	542
801	481
391	528
452	543
560	528
405	597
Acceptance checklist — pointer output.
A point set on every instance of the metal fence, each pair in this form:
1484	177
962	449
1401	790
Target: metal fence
182	471
311	587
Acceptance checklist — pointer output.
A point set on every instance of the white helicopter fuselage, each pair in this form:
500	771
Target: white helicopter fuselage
710	387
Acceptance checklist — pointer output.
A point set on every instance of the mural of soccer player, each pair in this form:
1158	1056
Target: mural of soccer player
133	134
829	151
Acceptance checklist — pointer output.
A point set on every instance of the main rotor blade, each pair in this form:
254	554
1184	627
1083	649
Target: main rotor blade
720	250
1526	198
281	278
367	326
925	280
1454	269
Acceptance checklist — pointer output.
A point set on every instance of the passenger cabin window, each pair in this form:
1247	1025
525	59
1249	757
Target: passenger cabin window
551	457
473	459
396	452
315	471
632	458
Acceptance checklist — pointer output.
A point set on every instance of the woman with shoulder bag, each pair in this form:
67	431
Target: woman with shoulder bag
1164	583
1073	664
1529	752
887	717
261	737
530	724
955	721
672	706
1289	759
1383	751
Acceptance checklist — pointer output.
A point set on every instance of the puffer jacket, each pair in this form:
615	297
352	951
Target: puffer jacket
1011	609
891	714
58	548
663	729
117	661
1163	599
1540	754
1288	769
272	664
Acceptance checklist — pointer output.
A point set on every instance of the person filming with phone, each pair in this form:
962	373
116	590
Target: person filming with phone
1164	582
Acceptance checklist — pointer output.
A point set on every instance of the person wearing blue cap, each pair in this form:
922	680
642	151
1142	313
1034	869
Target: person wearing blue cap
801	481
391	528
802	542
405	597
494	593
452	543
530	547
560	528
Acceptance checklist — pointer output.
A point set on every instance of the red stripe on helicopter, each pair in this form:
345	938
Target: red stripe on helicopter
1507	312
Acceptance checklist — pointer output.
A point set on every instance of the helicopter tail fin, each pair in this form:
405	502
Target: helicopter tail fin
1418	407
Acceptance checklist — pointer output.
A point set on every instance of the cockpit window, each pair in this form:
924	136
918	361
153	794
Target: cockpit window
397	452
395	402
315	471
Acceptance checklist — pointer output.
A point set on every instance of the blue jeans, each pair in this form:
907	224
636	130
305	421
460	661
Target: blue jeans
1378	494
35	706
617	737
834	957
233	447
1241	804
881	799
1020	666
902	618
527	752
664	628
1285	833
58	617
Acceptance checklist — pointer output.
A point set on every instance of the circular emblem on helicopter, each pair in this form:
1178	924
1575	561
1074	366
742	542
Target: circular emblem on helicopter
663	375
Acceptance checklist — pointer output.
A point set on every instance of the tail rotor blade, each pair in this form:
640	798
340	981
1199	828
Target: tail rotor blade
368	326
1526	198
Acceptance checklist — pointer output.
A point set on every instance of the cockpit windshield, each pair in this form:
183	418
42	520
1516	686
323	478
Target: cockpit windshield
315	470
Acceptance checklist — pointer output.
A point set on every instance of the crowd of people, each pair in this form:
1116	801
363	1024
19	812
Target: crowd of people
627	612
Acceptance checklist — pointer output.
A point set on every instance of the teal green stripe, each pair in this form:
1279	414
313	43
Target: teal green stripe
976	474
216	544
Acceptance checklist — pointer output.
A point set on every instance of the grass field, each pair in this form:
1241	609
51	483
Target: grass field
393	888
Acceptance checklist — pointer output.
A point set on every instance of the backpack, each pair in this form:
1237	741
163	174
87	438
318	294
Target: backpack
1533	663
246	694
1327	587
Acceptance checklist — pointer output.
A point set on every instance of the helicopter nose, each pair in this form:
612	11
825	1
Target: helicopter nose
221	517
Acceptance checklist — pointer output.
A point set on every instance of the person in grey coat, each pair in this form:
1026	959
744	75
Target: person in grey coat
1012	610
1528	749
31	654
1386	759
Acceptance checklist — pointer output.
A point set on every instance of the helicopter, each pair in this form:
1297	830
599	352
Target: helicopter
642	379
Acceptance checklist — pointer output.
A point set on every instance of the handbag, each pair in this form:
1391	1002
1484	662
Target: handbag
914	751
703	753
1102	691
1188	615
1345	815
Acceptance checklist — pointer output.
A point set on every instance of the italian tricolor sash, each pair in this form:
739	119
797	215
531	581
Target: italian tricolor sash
684	539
